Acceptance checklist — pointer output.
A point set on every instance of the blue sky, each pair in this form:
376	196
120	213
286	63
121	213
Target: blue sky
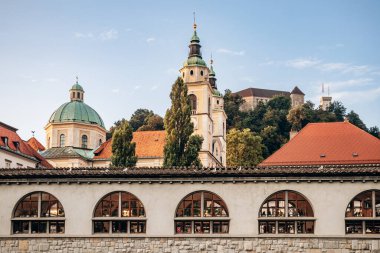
127	53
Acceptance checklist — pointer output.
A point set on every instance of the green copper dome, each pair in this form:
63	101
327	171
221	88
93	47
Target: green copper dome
194	60
217	93
76	111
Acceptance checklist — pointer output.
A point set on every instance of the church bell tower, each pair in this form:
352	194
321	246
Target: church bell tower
195	75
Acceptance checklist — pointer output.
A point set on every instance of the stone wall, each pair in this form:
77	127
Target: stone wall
183	245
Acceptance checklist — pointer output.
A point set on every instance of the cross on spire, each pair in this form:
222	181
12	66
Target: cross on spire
195	24
77	79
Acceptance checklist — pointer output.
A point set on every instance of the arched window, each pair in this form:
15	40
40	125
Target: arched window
62	140
38	213
84	141
367	206
201	212
201	72
191	72
100	142
286	212
193	103
119	212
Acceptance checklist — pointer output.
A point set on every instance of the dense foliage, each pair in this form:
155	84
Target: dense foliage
244	148
123	149
180	149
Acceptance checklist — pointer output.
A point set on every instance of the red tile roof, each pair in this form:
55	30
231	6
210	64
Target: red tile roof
148	144
328	143
35	144
23	149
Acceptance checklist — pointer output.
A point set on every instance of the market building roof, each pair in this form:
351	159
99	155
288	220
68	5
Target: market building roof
241	174
148	144
328	143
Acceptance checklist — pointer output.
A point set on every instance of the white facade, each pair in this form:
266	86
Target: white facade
328	197
12	160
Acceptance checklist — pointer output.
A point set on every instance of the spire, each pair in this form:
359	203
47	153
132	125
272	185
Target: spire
211	75
195	55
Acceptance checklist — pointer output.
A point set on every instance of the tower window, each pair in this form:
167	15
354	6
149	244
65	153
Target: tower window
183	74
62	140
191	72
193	103
84	141
100	142
201	72
78	95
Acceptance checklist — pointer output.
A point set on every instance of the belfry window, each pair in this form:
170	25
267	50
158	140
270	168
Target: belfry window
191	72
38	213
286	212
201	212
363	213
62	140
201	72
119	212
193	103
84	141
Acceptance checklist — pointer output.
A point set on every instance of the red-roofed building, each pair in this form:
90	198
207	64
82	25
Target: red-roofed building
35	144
328	143
149	149
16	153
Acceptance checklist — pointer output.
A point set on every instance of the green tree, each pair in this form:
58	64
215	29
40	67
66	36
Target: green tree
354	119
296	116
152	123
244	148
374	131
139	118
123	149
192	150
338	109
112	128
271	140
178	128
232	103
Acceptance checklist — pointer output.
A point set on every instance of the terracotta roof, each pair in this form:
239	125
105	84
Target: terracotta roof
256	92
23	148
328	143
297	90
35	144
148	144
344	172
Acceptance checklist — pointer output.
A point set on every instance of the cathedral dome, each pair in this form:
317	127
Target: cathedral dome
76	111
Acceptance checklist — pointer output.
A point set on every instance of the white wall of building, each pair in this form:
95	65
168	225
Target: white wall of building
329	201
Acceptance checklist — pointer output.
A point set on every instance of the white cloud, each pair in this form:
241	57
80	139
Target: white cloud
151	39
302	63
88	35
344	68
358	96
355	83
111	34
154	87
137	87
231	52
115	90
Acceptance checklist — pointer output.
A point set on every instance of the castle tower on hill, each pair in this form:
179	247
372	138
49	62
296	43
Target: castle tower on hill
325	101
207	105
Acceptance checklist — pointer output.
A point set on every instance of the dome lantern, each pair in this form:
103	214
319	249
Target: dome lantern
76	92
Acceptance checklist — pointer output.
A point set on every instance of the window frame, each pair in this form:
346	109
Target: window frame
364	221
286	219
119	218
49	220
84	141
202	219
